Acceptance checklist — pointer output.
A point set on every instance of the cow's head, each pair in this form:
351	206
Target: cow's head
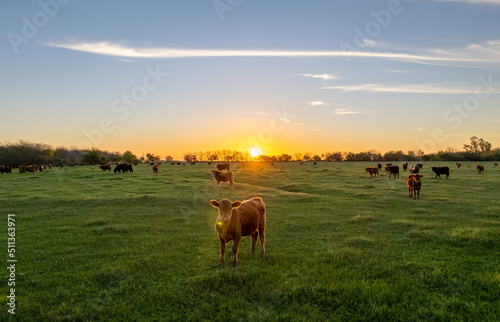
225	207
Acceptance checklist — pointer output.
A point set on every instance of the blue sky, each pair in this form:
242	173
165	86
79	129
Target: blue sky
169	77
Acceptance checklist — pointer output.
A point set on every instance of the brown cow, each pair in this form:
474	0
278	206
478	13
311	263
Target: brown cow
392	170
495	164
459	165
480	168
222	166
220	177
155	168
372	171
414	184
105	167
240	219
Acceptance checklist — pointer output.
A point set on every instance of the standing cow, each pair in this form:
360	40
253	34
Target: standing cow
239	219
414	185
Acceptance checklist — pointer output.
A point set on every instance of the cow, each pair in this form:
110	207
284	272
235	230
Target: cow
32	168
155	168
41	168
379	165
459	165
405	166
220	177
441	170
392	170
240	219
123	167
315	163
414	169
5	169
373	171
173	163
301	163
193	163
420	165
105	167
222	166
178	163
495	164
414	185
480	168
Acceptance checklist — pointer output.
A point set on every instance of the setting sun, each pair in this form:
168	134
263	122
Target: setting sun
255	152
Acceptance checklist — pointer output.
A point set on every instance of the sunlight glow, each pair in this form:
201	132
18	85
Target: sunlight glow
255	152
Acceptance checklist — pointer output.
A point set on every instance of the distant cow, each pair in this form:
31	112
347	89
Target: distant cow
495	164
459	165
105	167
173	163
414	185
379	166
193	163
405	166
155	168
480	168
5	169
178	163
414	169
373	171
222	166
392	170
441	170
31	168
301	163
420	165
123	167
240	219
315	163
220	177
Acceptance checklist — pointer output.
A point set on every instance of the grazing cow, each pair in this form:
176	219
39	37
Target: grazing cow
105	167
379	166
495	164
31	168
41	168
123	167
414	169
392	170
151	163
155	168
193	163
315	163
178	163
220	177
222	166
373	171
405	166
420	165
302	163
414	184
459	165
480	168
5	169
441	170
240	219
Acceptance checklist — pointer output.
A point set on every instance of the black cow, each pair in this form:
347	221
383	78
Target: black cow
392	170
405	166
123	168
441	170
5	169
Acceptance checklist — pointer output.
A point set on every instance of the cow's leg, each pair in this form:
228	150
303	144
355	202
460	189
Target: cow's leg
262	236
222	257
409	193
254	242
232	185
236	242
219	184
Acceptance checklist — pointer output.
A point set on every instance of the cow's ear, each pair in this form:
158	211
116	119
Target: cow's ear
236	204
421	175
214	203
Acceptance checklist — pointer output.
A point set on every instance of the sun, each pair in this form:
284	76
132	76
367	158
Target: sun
255	152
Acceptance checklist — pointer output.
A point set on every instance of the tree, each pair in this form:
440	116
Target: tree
129	157
285	157
92	156
477	145
169	158
151	157
316	158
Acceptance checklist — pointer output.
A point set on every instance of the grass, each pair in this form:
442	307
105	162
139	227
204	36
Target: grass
94	245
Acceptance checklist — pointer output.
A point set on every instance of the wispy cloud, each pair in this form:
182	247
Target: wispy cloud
409	88
317	103
322	76
490	53
344	111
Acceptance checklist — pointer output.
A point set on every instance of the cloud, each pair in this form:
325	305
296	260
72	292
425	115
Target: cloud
348	140
322	76
317	103
490	53
344	111
316	130
409	88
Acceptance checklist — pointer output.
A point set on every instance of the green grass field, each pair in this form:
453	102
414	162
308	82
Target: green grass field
340	246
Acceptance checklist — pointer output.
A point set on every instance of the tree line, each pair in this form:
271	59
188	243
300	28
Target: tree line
26	153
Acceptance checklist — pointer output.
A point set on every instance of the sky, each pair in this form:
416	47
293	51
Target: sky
283	76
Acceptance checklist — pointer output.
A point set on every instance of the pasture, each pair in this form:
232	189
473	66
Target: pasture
94	245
